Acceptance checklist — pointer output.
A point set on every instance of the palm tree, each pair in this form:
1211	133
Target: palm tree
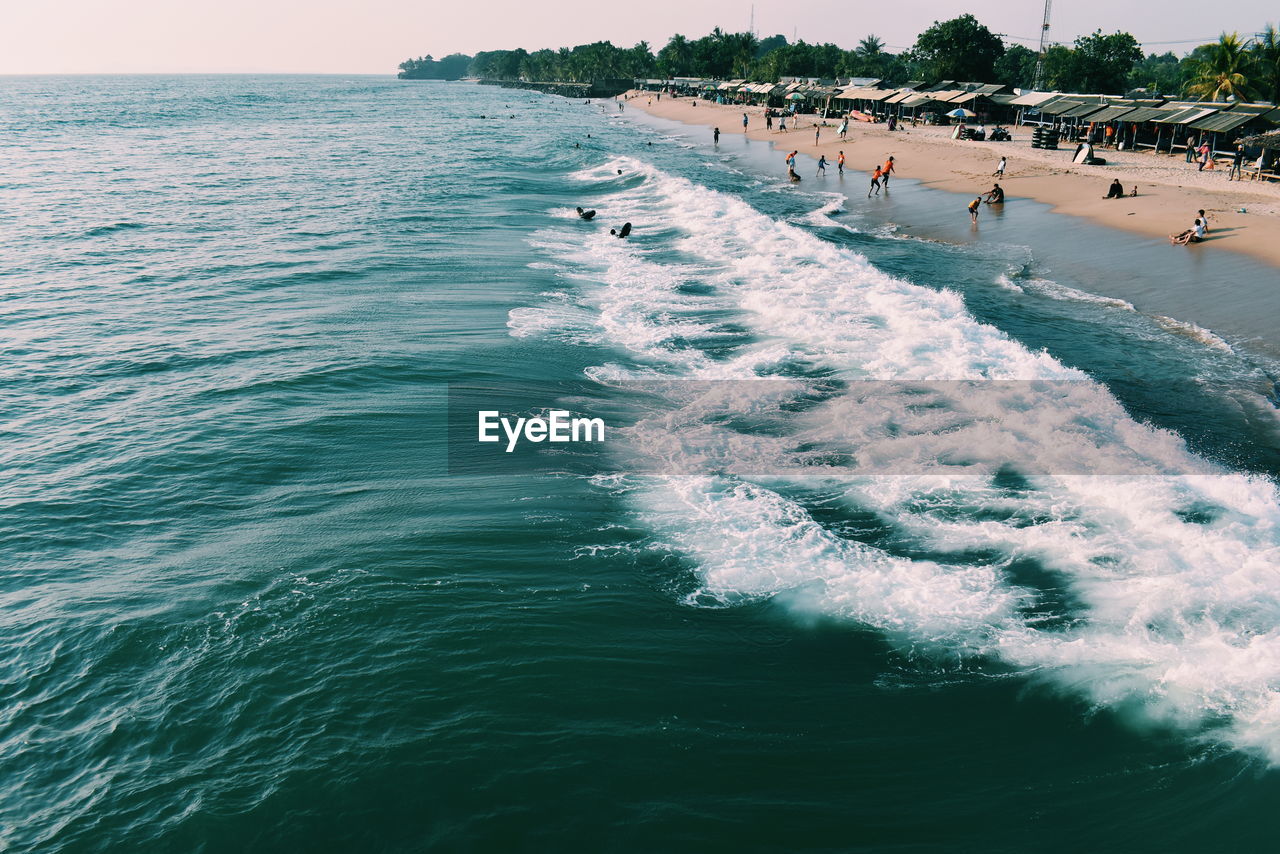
1266	60
1224	73
870	47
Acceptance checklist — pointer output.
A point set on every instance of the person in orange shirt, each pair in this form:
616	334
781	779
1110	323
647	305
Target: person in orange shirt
886	169
875	182
840	163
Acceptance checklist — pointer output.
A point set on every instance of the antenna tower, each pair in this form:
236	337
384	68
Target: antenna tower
1044	46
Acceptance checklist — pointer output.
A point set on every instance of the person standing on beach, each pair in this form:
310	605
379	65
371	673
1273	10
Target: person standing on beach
1204	156
844	128
791	161
744	122
875	183
886	170
782	124
974	207
715	136
1191	147
822	166
817	131
840	163
1237	164
999	173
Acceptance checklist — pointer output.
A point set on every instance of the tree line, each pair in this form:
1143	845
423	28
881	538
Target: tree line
959	49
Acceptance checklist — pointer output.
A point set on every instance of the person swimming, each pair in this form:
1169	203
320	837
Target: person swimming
586	214
625	231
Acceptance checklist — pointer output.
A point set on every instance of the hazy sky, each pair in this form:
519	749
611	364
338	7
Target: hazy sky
69	36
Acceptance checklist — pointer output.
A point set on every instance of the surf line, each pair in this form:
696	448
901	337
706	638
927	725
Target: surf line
558	426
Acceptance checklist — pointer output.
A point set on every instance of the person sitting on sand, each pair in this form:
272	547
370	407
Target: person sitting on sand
1204	218
586	214
974	207
626	230
1195	234
1115	191
995	196
875	182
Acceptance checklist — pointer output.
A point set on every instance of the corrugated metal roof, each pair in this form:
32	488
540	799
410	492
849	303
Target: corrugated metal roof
1112	113
1083	111
900	97
1145	114
1185	116
1224	121
1060	106
1033	99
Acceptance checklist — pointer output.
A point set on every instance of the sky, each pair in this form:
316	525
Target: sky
374	36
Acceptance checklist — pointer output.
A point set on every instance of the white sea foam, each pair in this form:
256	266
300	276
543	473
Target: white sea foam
1054	290
1192	331
1155	593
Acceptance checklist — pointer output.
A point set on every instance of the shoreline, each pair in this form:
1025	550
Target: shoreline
932	158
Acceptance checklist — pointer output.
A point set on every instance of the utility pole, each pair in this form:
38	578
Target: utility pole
752	29
1044	46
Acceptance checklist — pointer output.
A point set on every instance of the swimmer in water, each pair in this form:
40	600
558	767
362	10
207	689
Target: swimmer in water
626	230
586	214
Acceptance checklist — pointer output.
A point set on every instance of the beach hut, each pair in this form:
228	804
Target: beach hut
1233	121
1266	148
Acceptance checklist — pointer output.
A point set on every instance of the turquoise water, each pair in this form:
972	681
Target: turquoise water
247	607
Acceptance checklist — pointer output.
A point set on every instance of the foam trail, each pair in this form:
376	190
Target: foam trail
1155	593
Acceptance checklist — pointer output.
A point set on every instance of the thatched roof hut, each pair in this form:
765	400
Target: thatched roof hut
1270	139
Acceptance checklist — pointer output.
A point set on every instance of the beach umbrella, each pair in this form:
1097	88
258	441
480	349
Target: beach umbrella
961	113
796	96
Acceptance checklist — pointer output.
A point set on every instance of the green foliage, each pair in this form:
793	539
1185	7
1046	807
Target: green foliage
1017	67
1103	63
583	63
451	67
769	44
1159	74
1098	63
1223	72
959	49
1266	64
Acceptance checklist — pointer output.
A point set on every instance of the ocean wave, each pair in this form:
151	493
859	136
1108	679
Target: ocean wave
1164	587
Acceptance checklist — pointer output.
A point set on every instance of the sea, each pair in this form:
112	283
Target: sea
945	539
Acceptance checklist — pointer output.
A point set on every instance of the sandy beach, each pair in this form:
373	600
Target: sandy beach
1170	191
